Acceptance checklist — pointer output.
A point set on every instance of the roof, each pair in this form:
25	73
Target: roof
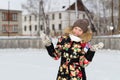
10	10
61	5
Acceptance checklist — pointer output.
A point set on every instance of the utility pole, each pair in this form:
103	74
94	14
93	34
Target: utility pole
8	19
69	13
118	28
112	16
39	15
76	9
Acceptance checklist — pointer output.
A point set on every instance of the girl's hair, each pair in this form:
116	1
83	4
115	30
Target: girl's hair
86	37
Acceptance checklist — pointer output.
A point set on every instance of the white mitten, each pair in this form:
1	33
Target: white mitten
45	39
96	47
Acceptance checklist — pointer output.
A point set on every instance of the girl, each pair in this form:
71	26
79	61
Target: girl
74	50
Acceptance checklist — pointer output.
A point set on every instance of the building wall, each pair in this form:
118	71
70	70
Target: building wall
29	23
12	25
59	23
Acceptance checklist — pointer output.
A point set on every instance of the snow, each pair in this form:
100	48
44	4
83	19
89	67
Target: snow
36	64
53	5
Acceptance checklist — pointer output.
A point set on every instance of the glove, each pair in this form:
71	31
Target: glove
45	39
96	47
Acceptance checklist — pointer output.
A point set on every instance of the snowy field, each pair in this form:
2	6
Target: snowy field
35	64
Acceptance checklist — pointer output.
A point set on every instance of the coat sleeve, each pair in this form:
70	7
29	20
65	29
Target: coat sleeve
87	58
55	52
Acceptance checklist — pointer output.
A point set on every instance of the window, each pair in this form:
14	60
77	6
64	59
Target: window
25	18
35	27
25	28
14	16
29	18
41	27
60	16
15	28
4	16
10	17
30	28
60	27
53	27
83	16
53	16
4	29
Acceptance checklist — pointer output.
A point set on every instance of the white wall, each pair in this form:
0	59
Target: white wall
64	21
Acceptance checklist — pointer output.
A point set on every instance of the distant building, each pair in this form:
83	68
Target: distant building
57	20
10	22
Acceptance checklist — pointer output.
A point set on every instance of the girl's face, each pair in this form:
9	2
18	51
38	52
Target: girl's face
77	31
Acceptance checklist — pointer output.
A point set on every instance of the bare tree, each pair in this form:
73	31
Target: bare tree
32	6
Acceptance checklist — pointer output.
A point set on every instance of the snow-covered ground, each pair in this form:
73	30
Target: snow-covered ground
35	64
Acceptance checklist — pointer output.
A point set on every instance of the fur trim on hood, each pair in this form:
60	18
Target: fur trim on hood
86	37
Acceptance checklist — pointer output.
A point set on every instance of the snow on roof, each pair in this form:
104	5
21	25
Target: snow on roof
58	5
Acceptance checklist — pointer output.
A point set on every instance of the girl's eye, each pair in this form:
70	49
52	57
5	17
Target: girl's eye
80	30
75	28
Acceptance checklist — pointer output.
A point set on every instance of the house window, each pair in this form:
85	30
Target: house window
4	29
14	16
53	27
29	18
25	18
4	16
30	28
47	16
53	16
15	28
25	28
41	27
60	27
9	16
60	16
35	27
83	16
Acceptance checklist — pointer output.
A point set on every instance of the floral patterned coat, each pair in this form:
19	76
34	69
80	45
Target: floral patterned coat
74	58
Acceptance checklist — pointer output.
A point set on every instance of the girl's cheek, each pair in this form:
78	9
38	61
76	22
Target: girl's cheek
76	33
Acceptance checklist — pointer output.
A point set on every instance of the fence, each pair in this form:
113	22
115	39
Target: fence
109	42
20	42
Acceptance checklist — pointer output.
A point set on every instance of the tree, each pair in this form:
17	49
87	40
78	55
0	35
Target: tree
32	6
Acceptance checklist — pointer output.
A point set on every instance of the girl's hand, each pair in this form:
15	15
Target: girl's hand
45	39
96	47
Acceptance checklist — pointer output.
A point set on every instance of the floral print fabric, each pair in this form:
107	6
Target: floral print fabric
73	59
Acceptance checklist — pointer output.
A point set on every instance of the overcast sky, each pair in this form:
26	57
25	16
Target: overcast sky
14	4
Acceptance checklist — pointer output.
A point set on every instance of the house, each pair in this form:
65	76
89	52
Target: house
10	22
58	18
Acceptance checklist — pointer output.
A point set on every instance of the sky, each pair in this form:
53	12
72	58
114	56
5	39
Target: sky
14	4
